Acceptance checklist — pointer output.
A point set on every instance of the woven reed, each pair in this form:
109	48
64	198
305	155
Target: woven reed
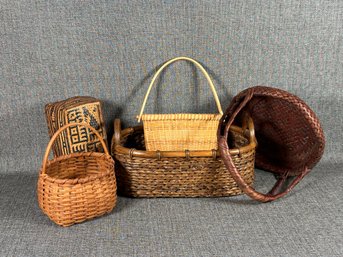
76	187
78	109
290	136
143	173
178	132
173	132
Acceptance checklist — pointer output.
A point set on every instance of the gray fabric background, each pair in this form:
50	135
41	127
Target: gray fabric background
52	50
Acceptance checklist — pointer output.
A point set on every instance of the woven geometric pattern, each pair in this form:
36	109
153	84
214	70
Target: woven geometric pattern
78	109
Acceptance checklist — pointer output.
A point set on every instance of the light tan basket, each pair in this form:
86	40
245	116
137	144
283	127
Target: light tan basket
76	187
182	131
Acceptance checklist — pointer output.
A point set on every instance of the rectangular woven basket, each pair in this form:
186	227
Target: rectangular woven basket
142	173
167	132
79	109
182	131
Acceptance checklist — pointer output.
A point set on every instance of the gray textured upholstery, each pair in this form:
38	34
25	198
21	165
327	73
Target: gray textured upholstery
308	222
52	50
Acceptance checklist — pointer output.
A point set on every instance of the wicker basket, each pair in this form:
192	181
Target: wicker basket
183	131
291	138
143	173
76	187
78	109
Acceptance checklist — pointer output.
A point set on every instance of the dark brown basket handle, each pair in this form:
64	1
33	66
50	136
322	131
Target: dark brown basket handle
57	133
227	159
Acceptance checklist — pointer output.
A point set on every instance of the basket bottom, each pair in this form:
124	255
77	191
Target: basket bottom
77	188
201	177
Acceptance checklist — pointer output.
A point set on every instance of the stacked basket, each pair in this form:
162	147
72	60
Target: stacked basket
79	183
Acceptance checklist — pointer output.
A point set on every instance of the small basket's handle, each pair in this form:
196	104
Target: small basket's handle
58	132
174	60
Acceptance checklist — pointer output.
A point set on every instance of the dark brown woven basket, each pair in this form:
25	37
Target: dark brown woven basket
291	140
76	187
143	173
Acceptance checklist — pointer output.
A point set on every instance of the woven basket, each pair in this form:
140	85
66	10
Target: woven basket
143	173
183	131
290	136
76	187
78	109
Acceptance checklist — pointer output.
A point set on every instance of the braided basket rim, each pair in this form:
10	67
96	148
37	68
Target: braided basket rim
102	173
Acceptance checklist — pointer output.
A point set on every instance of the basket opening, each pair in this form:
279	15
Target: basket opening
76	167
286	139
136	140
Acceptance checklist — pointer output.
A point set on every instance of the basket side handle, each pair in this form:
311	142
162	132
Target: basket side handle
58	132
274	194
249	124
168	63
116	136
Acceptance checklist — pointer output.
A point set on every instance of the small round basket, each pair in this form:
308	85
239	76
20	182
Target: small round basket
76	187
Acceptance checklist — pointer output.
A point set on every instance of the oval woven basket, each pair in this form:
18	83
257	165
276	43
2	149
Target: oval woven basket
142	173
76	187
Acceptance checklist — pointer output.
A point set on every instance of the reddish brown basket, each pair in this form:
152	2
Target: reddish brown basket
291	139
142	173
76	187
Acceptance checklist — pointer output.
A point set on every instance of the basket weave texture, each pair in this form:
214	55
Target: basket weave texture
290	136
143	173
76	187
181	131
78	109
174	131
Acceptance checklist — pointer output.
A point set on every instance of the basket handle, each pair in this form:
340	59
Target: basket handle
57	133
174	60
117	129
249	124
227	159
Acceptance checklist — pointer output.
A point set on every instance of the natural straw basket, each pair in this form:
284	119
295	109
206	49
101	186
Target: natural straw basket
76	187
142	173
182	131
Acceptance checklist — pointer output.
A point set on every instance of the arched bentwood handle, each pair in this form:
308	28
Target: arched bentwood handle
57	133
164	66
224	152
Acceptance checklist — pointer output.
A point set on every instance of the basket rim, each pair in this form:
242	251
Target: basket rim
181	116
214	153
101	174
